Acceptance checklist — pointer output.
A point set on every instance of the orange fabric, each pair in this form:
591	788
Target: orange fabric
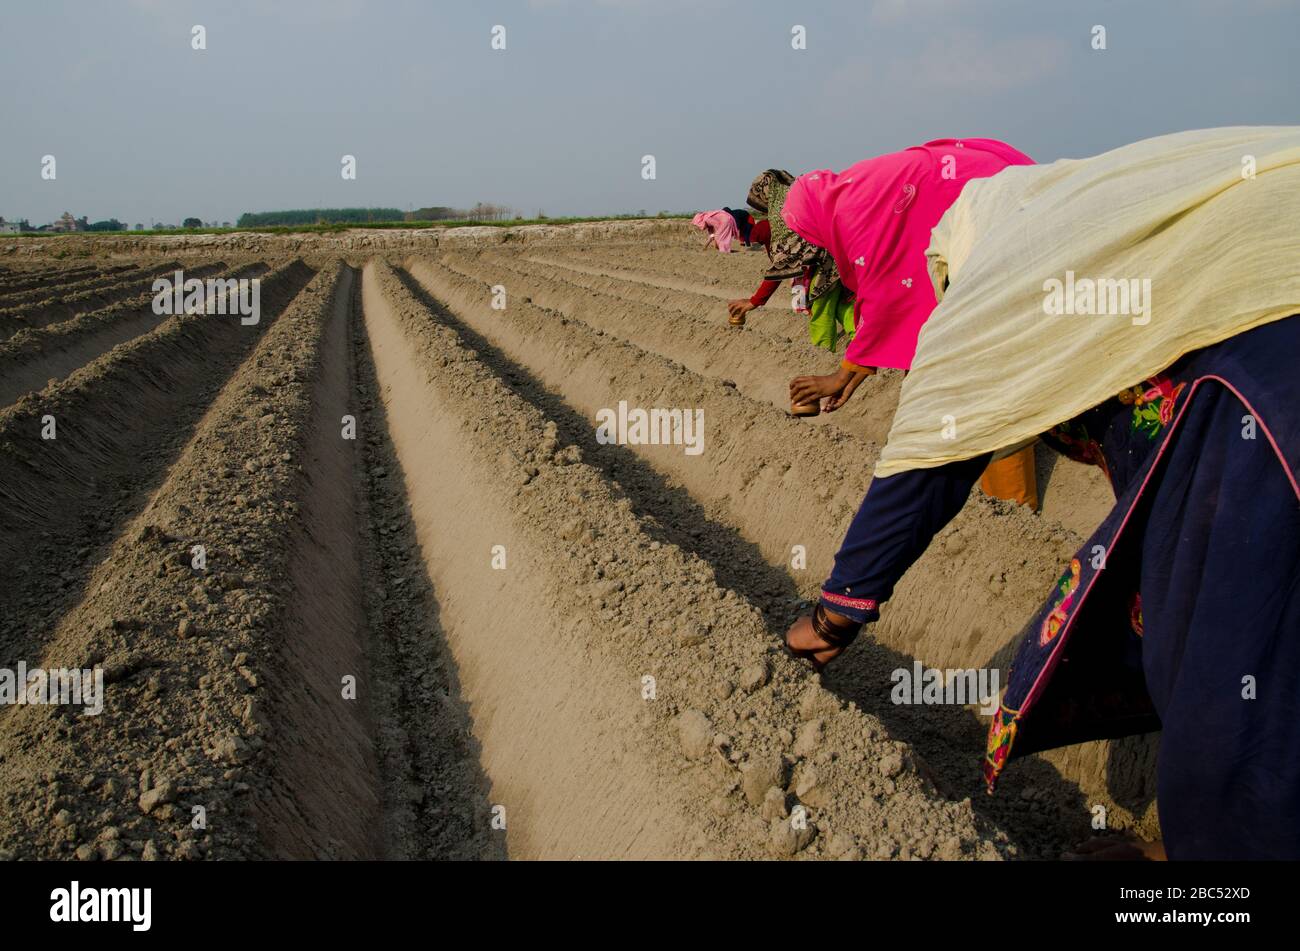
1013	479
846	365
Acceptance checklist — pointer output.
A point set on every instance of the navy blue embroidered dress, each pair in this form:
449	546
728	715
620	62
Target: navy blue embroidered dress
1181	613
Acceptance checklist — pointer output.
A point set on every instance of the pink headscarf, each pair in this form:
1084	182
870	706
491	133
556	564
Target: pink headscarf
875	219
721	224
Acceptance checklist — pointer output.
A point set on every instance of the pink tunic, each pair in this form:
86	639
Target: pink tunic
721	225
875	219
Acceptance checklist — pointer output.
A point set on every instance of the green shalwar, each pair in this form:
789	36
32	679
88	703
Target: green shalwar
830	317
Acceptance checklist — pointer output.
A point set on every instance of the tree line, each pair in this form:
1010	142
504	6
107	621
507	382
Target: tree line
482	211
317	216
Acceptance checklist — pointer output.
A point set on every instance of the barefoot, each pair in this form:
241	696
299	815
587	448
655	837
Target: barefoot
1116	849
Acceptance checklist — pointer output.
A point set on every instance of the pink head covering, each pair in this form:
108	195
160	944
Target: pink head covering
875	219
721	224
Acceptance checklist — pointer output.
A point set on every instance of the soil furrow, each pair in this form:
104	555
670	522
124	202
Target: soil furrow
1002	557
689	299
602	573
30	359
84	284
225	677
760	364
945	736
436	795
598	263
52	280
320	794
80	457
50	308
675	260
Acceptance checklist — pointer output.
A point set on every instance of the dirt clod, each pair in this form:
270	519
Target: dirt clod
695	732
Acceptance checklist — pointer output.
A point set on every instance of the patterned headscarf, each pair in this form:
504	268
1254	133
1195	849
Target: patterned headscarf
792	256
760	191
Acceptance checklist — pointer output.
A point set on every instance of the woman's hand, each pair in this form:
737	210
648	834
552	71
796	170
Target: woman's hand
834	389
805	389
835	402
739	308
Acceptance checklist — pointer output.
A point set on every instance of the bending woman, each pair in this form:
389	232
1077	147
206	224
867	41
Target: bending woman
1170	365
815	283
721	228
874	221
744	223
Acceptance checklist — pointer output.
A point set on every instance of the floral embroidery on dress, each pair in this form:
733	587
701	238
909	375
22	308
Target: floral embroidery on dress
1135	613
1002	734
1055	620
1153	405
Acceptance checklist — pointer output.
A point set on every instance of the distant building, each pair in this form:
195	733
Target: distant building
9	227
68	223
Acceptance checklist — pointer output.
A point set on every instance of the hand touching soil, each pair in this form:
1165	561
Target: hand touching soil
834	388
801	637
737	309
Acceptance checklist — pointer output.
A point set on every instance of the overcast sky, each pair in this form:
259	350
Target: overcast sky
144	127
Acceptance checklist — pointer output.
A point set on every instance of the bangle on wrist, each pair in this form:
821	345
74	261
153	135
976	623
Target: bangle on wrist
832	632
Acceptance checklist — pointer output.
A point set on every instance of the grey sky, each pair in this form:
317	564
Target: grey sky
143	127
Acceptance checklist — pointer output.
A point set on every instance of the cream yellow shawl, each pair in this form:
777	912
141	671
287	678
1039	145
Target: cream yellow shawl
1072	281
